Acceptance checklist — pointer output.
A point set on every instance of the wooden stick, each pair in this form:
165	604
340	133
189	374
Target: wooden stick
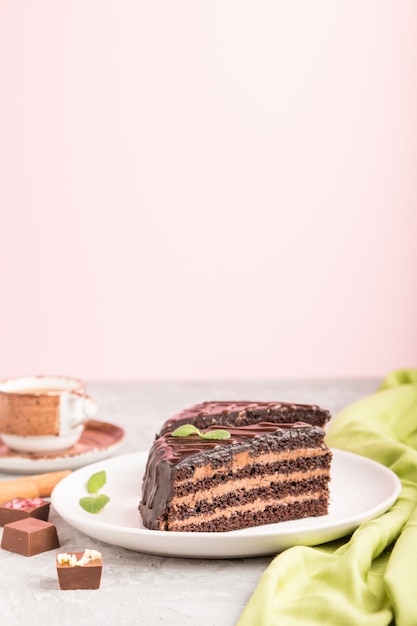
38	486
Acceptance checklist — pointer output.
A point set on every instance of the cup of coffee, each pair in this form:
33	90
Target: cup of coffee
42	414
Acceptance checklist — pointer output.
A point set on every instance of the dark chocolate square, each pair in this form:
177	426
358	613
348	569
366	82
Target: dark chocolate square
29	536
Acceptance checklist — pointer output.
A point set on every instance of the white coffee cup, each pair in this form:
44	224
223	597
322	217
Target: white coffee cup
42	414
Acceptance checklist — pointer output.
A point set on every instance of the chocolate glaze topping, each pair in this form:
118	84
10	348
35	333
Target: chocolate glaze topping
240	413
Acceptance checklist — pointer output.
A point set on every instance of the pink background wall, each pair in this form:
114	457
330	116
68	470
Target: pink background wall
208	189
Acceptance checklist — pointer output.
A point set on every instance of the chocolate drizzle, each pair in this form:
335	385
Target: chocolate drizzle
177	449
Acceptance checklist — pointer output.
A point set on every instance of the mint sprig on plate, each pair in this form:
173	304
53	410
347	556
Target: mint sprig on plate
189	429
95	502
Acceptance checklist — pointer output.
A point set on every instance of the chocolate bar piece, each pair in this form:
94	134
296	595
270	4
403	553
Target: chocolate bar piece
20	508
79	570
29	536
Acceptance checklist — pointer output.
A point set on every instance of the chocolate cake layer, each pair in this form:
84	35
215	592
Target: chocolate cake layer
244	413
264	473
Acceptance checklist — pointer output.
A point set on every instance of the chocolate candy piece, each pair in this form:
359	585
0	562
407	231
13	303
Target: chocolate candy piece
79	570
29	536
20	508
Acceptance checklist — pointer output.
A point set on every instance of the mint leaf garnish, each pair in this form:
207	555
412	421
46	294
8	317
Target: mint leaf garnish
185	430
96	482
94	504
189	429
216	434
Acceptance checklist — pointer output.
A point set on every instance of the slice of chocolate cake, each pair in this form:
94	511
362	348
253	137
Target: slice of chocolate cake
244	413
261	474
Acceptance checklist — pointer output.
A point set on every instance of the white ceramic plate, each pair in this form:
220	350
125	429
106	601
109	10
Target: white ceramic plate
361	489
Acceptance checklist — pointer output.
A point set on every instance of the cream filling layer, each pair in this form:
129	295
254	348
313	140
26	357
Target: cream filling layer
233	486
241	459
257	505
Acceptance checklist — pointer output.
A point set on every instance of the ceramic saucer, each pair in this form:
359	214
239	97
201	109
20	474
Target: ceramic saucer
98	441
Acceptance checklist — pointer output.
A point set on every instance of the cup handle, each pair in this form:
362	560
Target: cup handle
88	407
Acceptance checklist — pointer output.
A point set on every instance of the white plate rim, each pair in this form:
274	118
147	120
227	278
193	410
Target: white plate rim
257	541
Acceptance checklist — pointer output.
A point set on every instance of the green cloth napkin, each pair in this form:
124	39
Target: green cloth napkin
370	577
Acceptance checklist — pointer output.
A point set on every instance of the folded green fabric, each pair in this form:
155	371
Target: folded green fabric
369	578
